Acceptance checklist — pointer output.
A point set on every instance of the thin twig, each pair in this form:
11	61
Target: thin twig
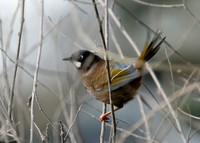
7	45
68	116
105	41
103	125
77	113
189	115
163	111
15	69
11	26
187	82
159	129
27	72
148	135
46	133
159	5
5	80
123	31
150	29
128	133
163	104
170	68
8	130
117	46
189	11
41	134
108	71
44	114
156	81
62	140
16	61
121	121
37	70
195	132
190	124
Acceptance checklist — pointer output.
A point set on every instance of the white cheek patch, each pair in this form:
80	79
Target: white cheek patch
77	64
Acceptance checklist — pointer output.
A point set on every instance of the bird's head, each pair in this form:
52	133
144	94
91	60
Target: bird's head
83	59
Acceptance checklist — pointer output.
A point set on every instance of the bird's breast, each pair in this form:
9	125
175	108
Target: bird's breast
95	78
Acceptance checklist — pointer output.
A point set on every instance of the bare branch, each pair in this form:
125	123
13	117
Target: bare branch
173	97
62	140
126	132
77	113
148	28
37	70
159	5
16	61
189	11
41	134
148	135
105	41
189	115
103	125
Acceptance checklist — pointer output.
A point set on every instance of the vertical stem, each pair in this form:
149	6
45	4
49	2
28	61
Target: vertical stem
36	71
108	71
105	41
146	125
103	124
16	61
104	105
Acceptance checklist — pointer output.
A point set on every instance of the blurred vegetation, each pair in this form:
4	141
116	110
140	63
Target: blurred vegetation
70	25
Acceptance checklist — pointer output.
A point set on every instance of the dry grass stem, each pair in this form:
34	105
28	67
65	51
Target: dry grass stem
36	71
105	40
159	5
146	124
16	60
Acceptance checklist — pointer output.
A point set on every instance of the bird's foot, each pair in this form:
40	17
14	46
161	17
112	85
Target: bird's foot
103	117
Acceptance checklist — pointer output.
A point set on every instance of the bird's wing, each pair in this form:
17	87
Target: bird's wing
124	76
122	72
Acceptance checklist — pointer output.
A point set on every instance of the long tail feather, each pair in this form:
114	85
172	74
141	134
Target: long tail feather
149	51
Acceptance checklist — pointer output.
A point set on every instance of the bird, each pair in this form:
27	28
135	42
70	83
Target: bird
126	75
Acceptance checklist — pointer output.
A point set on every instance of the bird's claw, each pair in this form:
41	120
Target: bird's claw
104	117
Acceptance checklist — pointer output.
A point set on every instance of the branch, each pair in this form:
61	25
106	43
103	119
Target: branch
148	135
190	12
128	133
79	109
159	5
148	28
163	104
61	132
16	61
37	70
105	41
103	125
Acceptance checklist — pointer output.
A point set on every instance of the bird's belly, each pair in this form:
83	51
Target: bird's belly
121	95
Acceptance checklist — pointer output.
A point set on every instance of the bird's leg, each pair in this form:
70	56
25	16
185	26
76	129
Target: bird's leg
104	116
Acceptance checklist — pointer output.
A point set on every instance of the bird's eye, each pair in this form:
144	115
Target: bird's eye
80	58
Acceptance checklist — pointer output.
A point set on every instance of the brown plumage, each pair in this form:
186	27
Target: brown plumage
97	79
126	77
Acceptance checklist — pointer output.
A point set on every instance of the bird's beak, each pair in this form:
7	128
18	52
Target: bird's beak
67	59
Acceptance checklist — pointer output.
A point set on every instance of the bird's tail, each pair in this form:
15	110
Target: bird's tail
149	51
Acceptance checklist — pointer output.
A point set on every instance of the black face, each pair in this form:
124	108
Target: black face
83	59
80	56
